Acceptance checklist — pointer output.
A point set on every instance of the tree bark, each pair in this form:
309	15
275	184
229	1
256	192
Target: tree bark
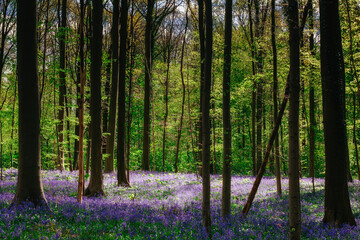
275	98
253	94
226	187
109	161
12	129
183	91
312	100
95	187
81	100
206	218
62	85
29	184
122	177
294	90
337	203
148	69
202	67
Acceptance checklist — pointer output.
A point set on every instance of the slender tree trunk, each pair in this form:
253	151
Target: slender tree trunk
226	187
312	101
29	184
166	99
294	89
262	169
82	78
68	135
132	65
147	95
109	161
122	177
183	91
202	69
190	122
105	112
12	130
44	51
88	152
275	98
253	94
337	203
206	218
95	187
62	85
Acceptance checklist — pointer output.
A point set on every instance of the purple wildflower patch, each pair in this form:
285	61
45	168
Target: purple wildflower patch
164	206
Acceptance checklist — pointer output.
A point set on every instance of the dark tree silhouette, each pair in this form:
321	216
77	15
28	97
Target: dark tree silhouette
62	85
122	174
294	90
226	188
147	95
275	98
109	161
206	118
337	203
95	187
29	184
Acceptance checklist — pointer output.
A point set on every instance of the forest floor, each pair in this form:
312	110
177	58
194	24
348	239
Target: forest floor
165	206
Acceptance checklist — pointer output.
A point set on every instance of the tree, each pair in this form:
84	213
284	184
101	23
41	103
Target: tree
147	95
109	162
275	98
206	219
29	184
312	100
202	67
95	187
294	89
183	90
226	188
82	77
122	174
62	86
337	204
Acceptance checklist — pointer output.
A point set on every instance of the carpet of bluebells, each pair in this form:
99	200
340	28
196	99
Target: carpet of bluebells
164	206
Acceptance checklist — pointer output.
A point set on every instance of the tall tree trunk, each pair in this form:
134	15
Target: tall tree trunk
312	100
109	161
82	80
29	184
105	112
44	51
12	129
95	187
337	203
206	218
202	67
62	85
226	187
132	65
275	98
168	53
183	91
122	177
253	94
147	95
294	89
67	134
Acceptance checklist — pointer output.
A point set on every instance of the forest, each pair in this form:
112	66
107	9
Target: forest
179	119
